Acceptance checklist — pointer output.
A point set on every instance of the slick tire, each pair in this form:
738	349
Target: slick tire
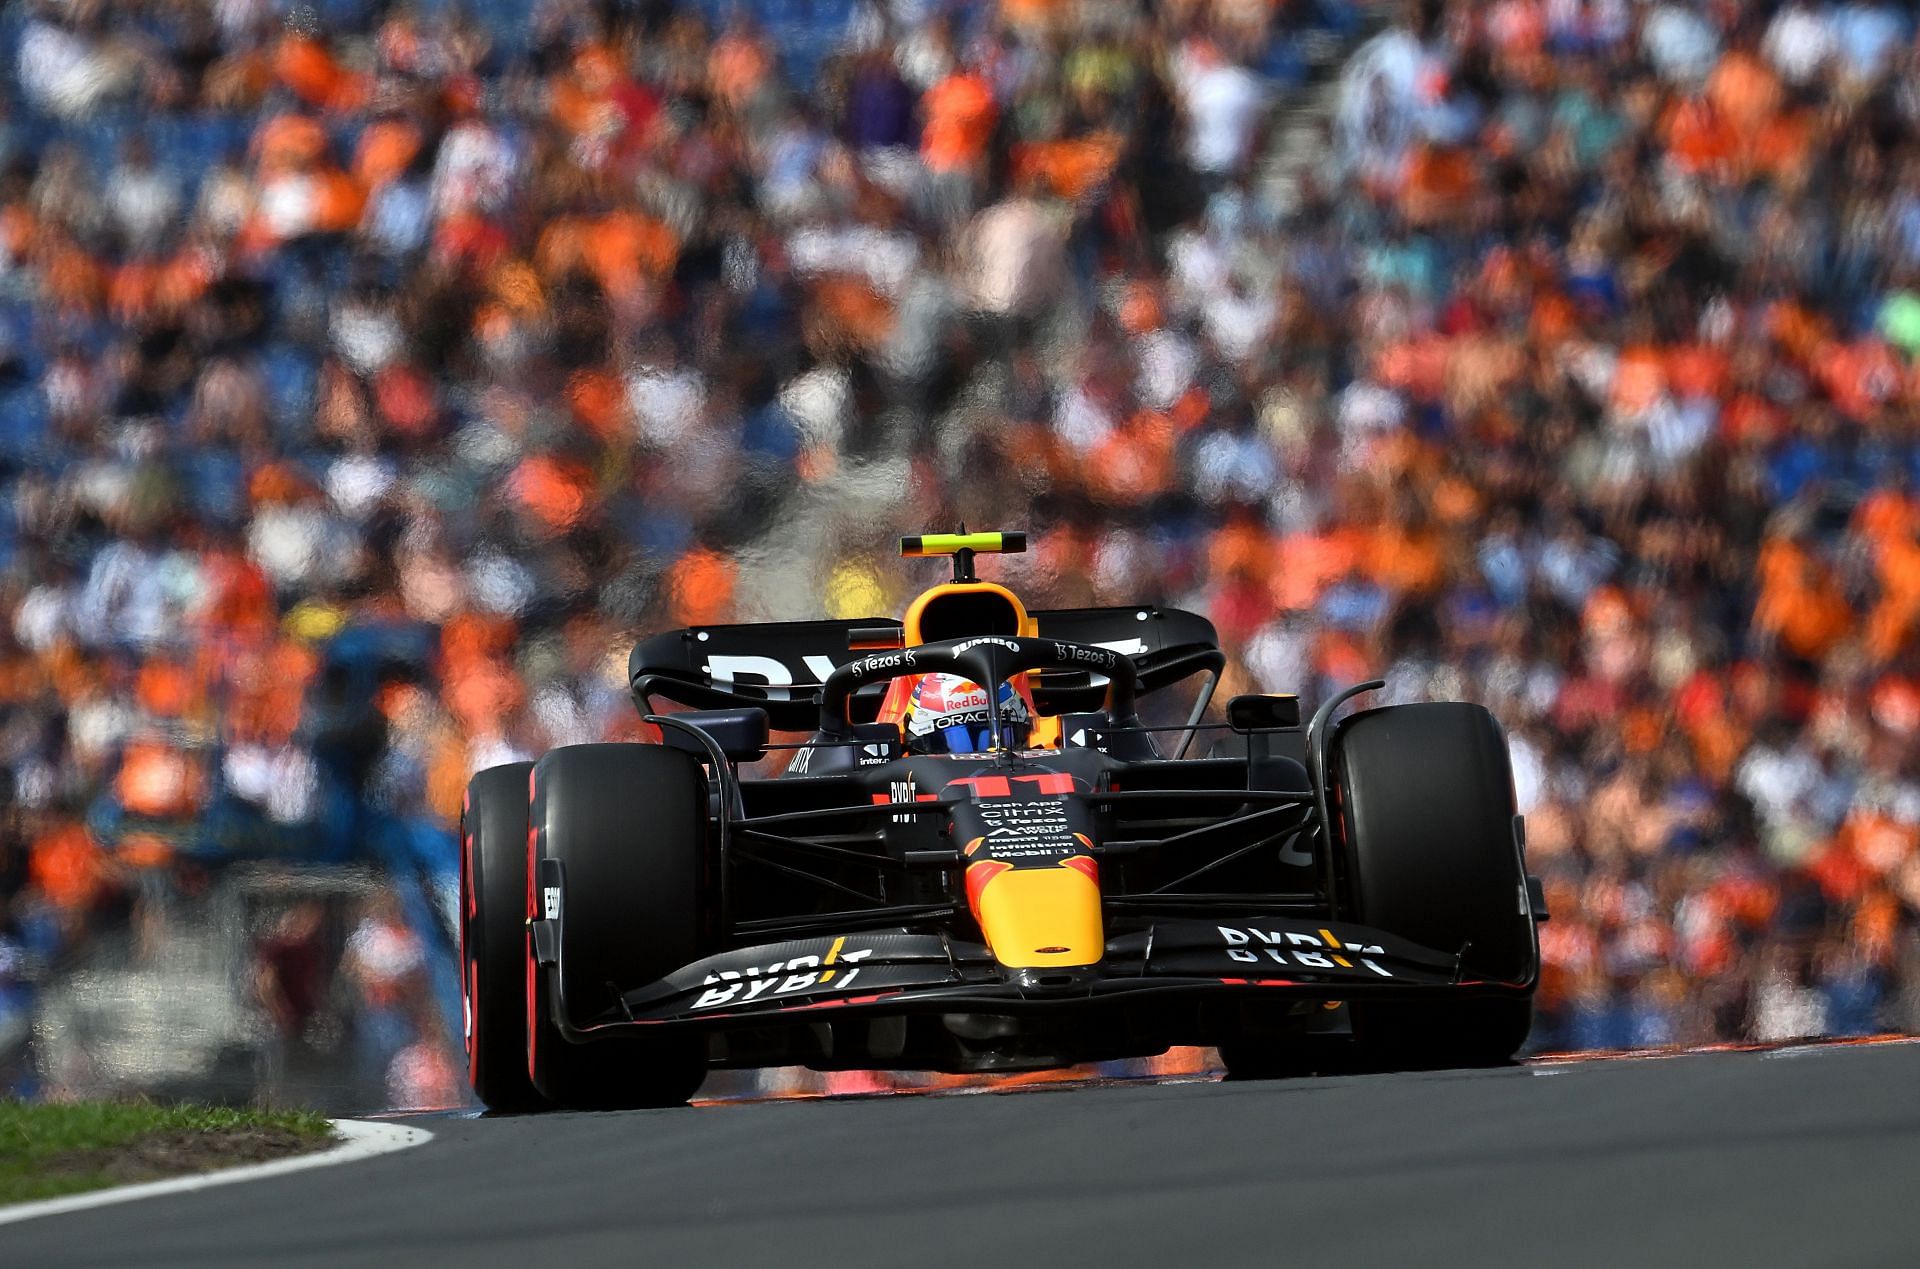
1425	808
493	936
628	825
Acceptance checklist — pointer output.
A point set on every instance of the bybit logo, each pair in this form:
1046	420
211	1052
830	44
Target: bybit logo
1298	950
803	973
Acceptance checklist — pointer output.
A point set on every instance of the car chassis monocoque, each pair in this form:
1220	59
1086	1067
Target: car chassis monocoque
1323	896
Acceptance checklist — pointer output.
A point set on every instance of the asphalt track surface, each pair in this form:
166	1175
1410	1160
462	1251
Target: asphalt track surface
1807	1156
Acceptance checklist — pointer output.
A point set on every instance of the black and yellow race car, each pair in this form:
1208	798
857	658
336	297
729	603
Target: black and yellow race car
1072	888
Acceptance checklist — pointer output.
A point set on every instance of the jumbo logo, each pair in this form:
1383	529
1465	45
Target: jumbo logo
1297	950
995	640
802	973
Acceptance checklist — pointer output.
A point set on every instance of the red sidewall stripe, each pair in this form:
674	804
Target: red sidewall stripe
533	856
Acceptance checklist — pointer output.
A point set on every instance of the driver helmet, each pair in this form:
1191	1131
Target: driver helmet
949	715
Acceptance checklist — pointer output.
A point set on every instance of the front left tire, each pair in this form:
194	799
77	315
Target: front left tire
627	824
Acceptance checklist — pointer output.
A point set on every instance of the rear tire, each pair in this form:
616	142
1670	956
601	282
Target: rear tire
1426	807
628	825
493	904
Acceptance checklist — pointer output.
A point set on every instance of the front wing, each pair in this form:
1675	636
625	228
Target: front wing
900	970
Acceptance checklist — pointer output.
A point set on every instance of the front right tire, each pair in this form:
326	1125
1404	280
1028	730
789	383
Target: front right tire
1427	817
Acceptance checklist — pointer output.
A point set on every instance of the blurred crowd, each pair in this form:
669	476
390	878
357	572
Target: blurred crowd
1625	444
372	373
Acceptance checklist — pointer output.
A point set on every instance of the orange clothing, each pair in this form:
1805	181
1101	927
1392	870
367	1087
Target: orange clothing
555	491
579	99
1749	415
70	278
308	69
1309	563
854	310
1242	548
1744	92
701	584
482	693
289	143
158	780
1800	601
1554	321
1879	841
1858	376
737	68
17	225
266	690
1697	370
386	148
1896	618
1783	148
339	202
1033	15
1072	169
1639	378
1135	461
133	289
1407	562
167	689
599	402
1416	366
623	250
1439	180
960	115
1698	140
1886	516
1800	330
68	867
470	239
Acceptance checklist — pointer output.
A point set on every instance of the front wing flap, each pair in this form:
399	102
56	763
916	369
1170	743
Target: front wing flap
898	969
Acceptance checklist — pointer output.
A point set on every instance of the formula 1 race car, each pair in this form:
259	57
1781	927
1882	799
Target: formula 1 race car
1059	884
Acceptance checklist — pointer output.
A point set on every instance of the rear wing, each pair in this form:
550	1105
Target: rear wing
779	666
1165	645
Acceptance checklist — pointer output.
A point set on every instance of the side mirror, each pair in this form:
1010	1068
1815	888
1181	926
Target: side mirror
1263	713
740	733
876	638
880	742
1084	731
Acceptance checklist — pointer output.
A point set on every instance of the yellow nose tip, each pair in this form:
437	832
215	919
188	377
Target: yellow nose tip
1035	917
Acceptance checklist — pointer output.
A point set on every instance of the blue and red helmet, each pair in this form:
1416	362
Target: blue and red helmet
949	715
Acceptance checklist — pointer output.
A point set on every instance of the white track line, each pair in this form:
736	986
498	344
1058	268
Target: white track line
359	1139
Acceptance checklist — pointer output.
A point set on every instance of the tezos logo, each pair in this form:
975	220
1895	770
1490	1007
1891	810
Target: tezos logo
1086	656
886	661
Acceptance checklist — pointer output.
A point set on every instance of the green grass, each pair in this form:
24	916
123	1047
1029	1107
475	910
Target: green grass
49	1149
